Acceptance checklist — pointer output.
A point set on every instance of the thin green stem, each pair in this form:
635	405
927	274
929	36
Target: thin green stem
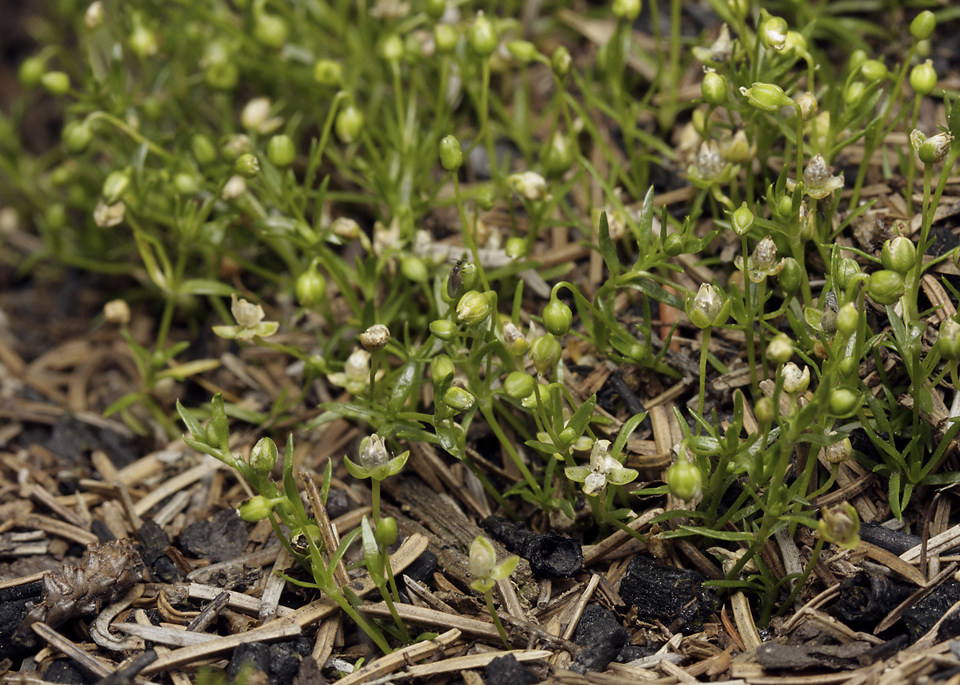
488	596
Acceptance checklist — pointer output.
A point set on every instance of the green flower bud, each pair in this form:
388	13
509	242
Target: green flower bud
519	385
516	247
451	156
446	37
742	220
780	349
186	183
115	186
263	456
673	245
840	525
311	286
349	124
854	93
545	353
561	62
922	26
482	36
885	287
442	368
739	8
873	70
391	49
707	308
772	31
270	31
474	308
55	82
948	341
222	75
848	318
628	10
55	216
458	398
523	50
849	366
848	273
281	151
328	73
898	254
436	8
414	269
766	97
31	71
483	558
443	329
557	156
843	402
714	89
935	148
923	78
386	531
763	410
857	58
255	509
791	277
142	41
203	150
557	317
247	165
77	136
684	479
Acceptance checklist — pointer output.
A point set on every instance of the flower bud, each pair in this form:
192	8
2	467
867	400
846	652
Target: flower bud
923	78
885	287
935	148
922	26
31	71
375	338
523	50
386	533
443	329
848	318
93	17
446	37
436	8
557	317
848	273
843	402
442	368
673	245
516	247
414	269
772	31
707	308
780	349
684	479
518	385
763	410
898	254
840	525
203	150
482	36
545	353
263	456
234	146
791	277
373	453
281	151
483	558
808	105
458	398
742	220
142	41
766	97
873	70
391	49
529	185
854	93
557	156
55	82
349	124
117	312
186	183
628	10
270	30
451	156
948	341
474	308
77	136
247	165
328	73
713	88
115	186
255	509
561	62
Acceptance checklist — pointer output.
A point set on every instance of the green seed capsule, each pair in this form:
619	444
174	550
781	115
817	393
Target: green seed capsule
55	82
557	317
923	25
349	124
451	156
281	151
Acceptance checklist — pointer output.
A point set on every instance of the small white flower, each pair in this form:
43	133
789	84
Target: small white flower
233	188
107	216
817	180
256	117
530	185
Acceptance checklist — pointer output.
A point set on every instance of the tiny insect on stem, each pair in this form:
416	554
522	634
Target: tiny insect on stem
455	279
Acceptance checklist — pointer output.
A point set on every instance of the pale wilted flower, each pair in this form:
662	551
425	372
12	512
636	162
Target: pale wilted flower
256	117
719	52
376	462
376	337
794	380
736	149
356	372
117	312
373	453
345	228
763	262
93	17
387	10
107	216
233	188
530	185
514	340
818	182
250	323
710	168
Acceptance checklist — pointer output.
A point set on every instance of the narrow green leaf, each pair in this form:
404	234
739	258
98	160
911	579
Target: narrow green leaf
607	248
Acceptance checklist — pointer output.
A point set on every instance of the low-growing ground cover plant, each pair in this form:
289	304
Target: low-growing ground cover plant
472	207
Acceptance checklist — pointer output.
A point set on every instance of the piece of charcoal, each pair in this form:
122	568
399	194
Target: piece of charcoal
284	662
422	568
220	539
675	597
102	531
338	503
309	673
69	673
632	652
506	670
867	597
950	627
249	656
153	540
922	616
14	603
894	541
106	571
602	637
550	555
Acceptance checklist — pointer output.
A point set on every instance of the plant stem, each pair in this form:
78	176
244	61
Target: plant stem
488	596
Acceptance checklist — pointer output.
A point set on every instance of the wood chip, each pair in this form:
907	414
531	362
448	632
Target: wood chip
431	618
392	662
473	661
